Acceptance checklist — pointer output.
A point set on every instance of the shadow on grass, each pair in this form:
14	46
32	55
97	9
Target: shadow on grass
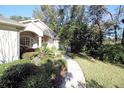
116	86
79	85
84	56
119	65
81	56
93	84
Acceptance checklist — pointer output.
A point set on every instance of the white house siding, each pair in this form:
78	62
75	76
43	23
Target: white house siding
53	43
33	28
9	45
46	30
50	43
56	44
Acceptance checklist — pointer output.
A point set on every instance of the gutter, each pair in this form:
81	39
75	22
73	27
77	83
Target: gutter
12	24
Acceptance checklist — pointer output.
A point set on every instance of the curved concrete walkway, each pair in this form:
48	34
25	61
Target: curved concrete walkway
75	77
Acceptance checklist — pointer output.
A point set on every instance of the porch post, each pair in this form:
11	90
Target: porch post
18	45
40	41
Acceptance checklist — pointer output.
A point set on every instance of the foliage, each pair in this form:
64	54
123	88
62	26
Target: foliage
114	24
78	28
47	14
3	67
47	52
19	18
108	53
44	51
56	16
46	75
38	50
13	76
24	49
29	55
96	14
37	81
73	35
53	69
113	54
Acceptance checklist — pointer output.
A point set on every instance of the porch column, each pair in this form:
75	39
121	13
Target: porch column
40	41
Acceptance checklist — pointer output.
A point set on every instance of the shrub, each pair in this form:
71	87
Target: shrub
37	50
46	75
24	49
53	49
14	75
29	55
40	80
113	53
3	67
108	53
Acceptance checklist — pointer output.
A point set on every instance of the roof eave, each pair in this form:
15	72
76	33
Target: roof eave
13	24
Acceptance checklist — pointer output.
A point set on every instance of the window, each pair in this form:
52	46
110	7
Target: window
26	41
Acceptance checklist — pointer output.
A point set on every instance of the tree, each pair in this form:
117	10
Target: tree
96	18
1	15
55	16
47	14
74	35
19	18
115	20
72	29
122	41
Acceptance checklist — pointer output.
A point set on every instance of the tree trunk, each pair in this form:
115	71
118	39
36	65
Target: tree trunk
101	38
115	35
100	35
122	41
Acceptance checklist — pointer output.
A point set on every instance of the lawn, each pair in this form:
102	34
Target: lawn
99	74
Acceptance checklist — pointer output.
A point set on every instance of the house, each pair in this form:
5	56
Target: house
25	34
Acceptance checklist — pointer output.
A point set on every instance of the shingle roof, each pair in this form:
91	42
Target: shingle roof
8	21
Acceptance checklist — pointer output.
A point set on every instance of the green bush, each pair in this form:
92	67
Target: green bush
46	75
14	75
49	75
40	80
113	53
29	55
53	49
5	66
108	53
54	68
37	50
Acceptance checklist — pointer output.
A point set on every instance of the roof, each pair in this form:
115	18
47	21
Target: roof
4	20
51	32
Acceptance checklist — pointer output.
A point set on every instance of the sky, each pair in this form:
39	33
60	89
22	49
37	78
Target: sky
26	10
19	10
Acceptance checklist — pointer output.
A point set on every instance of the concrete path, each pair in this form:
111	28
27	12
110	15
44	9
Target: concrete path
75	77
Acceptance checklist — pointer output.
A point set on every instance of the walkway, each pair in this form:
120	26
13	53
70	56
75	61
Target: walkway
75	77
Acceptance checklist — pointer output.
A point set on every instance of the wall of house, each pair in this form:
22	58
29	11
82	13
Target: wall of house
33	28
31	35
53	43
9	45
56	43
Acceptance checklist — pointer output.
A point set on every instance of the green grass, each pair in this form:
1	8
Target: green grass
3	67
99	74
